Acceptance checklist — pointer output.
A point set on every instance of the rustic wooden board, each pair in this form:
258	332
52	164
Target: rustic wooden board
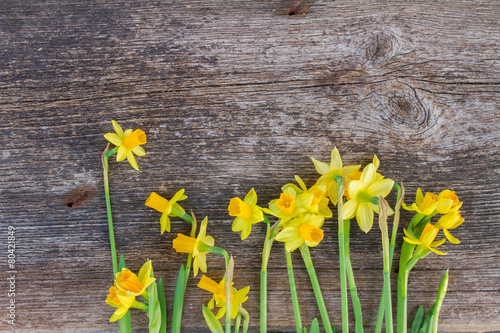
235	95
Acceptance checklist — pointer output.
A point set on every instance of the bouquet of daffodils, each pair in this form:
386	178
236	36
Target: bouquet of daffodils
297	218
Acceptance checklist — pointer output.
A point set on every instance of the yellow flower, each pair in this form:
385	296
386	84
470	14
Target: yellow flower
361	193
426	240
425	205
329	172
290	204
197	246
448	202
305	228
118	299
128	143
166	207
246	212
131	284
319	203
218	290
450	221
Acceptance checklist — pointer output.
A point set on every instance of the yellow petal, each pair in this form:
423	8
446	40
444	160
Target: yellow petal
301	183
127	132
350	208
335	160
288	234
122	154
113	138
139	151
376	162
132	161
368	176
119	313
450	237
145	271
117	128
294	244
354	188
237	224
381	188
251	198
247	228
165	222
321	167
364	216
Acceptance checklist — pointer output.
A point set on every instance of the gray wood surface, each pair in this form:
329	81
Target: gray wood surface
234	95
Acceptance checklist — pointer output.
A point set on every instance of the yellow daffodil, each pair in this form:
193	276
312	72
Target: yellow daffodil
319	203
450	221
246	212
218	290
133	285
362	194
118	299
448	202
290	204
305	228
168	208
128	143
329	172
426	240
196	246
425	205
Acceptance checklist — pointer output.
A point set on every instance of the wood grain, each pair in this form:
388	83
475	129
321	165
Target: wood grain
233	96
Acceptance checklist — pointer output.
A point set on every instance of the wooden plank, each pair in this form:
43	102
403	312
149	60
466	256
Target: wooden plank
231	96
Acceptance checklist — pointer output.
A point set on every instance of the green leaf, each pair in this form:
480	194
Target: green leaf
314	326
154	310
121	263
426	326
163	306
178	300
212	322
418	320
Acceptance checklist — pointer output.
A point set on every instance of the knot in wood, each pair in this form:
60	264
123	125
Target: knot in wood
380	47
400	107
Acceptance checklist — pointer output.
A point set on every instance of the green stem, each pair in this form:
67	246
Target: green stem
356	304
124	322
246	316
227	282
266	251
406	254
293	291
237	323
105	166
306	255
343	281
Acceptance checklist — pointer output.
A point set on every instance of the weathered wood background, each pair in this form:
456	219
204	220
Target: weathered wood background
235	95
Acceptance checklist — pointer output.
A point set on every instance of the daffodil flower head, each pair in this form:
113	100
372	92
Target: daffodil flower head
246	212
448	202
425	205
305	228
363	196
197	246
128	143
319	203
292	202
426	240
118	299
329	172
133	285
218	290
450	221
168	208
